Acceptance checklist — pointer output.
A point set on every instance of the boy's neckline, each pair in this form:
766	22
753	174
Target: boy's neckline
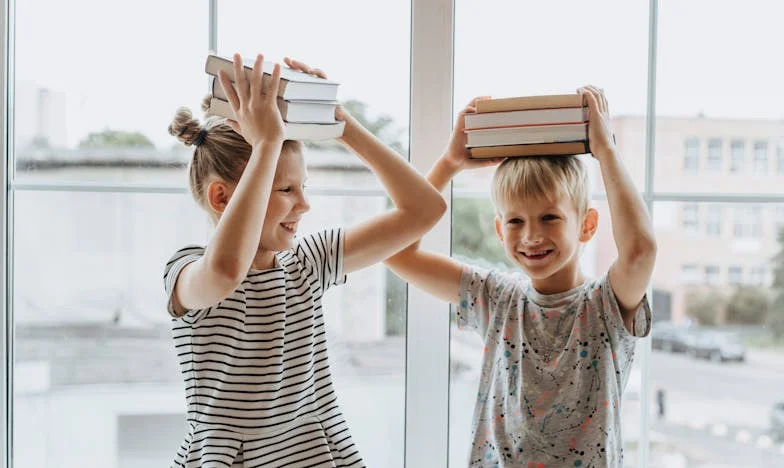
536	295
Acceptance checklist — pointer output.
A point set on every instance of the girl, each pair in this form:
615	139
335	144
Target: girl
247	319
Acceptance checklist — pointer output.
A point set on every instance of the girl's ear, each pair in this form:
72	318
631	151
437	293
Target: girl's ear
218	195
590	224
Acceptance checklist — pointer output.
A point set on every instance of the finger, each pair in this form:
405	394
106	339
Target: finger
590	98
296	64
228	88
274	84
468	110
478	98
240	79
234	125
318	72
256	76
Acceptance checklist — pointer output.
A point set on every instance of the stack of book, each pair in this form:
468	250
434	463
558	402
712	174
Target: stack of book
528	126
306	102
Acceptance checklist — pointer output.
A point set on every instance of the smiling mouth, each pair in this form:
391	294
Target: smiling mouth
289	227
537	255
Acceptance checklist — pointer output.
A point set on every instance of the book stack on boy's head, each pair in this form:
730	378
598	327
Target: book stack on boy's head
544	125
306	102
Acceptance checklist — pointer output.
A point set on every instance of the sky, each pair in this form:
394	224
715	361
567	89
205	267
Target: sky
128	66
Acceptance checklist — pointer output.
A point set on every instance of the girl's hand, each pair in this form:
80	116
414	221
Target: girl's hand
258	116
457	156
340	113
600	135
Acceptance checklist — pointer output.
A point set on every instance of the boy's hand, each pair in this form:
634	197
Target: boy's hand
600	134
457	156
258	116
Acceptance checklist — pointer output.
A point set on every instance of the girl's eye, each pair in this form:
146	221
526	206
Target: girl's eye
550	217
515	221
286	189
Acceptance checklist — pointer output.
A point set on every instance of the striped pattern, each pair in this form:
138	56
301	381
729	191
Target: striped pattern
258	387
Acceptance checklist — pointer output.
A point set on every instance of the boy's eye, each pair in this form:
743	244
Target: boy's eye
285	189
549	217
515	221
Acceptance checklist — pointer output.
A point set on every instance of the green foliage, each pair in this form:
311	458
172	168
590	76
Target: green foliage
473	232
706	308
116	138
775	319
748	306
383	127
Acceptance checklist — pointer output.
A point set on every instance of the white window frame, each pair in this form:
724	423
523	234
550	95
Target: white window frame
760	158
427	344
714	161
691	155
737	156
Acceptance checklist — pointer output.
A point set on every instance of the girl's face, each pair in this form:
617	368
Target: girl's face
287	204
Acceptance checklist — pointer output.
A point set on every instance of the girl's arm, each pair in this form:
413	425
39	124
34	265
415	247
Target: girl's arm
231	250
418	206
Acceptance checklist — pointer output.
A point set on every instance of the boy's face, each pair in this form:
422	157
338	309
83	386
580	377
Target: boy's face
544	237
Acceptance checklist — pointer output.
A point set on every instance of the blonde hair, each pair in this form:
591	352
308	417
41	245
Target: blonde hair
552	178
222	152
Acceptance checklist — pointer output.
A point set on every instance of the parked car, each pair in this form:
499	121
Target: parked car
777	421
669	337
719	346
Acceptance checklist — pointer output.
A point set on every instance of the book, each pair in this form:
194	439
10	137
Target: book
526	117
527	135
293	130
551	101
545	149
290	111
294	84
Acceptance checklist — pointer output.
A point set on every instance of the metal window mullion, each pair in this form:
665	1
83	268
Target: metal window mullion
427	324
6	244
649	198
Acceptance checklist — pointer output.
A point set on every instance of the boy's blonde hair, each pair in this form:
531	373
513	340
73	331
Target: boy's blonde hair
552	178
222	152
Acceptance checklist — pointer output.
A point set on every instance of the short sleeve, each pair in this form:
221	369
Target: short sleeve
323	250
482	293
642	316
172	271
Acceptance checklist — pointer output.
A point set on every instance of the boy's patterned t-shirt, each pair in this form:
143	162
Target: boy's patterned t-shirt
553	371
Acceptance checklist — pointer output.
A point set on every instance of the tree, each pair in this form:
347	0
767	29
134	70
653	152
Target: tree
775	319
383	127
474	233
116	138
748	306
706	308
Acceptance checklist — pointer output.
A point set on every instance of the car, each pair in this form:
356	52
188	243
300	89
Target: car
669	337
718	346
777	421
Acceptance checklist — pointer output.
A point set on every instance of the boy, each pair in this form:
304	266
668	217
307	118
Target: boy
558	347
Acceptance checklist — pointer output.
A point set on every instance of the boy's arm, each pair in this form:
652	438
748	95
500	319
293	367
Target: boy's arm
433	273
632	228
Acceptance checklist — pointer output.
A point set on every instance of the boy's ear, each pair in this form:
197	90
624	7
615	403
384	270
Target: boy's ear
218	194
498	231
590	224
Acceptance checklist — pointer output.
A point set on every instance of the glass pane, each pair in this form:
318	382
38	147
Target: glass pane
103	93
722	90
373	77
718	332
94	353
505	49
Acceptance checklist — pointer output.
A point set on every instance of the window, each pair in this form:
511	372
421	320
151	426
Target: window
748	222
713	221
712	275
761	157
735	274
779	226
690	274
691	158
737	158
714	155
758	276
691	218
780	158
